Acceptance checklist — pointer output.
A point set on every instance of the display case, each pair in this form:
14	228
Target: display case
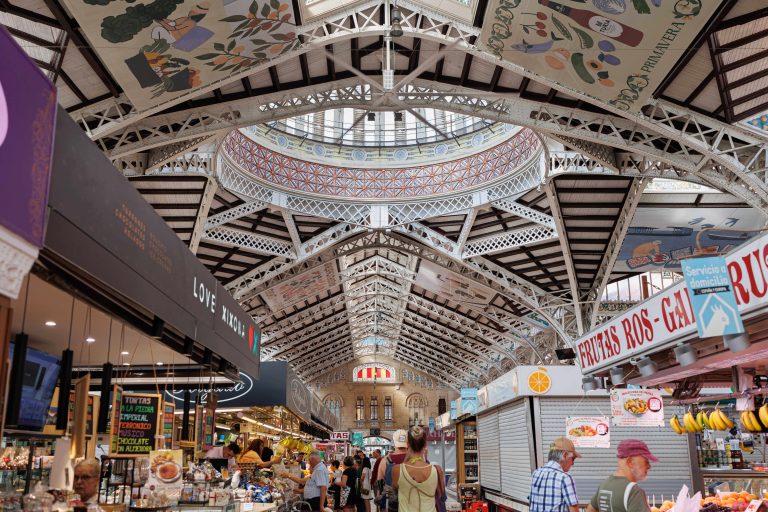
467	463
25	459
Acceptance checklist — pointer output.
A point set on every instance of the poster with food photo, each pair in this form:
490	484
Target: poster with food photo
165	471
588	431
637	408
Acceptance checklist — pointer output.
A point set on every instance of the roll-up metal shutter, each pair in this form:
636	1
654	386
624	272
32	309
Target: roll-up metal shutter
488	450
515	449
665	477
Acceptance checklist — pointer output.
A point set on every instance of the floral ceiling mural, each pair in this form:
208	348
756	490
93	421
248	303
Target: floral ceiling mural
160	49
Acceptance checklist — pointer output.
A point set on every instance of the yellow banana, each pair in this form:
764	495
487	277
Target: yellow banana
745	423
674	422
690	424
725	420
763	414
714	420
702	420
755	423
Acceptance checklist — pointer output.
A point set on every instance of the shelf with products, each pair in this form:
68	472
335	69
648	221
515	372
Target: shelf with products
25	459
466	451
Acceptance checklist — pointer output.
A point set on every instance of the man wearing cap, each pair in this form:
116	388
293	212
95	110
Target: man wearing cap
552	488
620	492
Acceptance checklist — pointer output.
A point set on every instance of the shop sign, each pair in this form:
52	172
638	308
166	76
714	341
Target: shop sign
340	436
468	397
357	439
614	50
711	292
27	120
588	431
637	408
138	424
669	317
234	395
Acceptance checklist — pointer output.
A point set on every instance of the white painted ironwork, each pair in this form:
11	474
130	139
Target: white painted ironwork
508	240
209	193
251	241
238	212
525	212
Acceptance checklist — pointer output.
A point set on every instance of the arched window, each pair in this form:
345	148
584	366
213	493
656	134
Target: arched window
416	404
334	404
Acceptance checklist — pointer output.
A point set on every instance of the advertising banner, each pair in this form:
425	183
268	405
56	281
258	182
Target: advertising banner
468	398
618	51
637	408
588	431
711	292
165	471
27	120
668	316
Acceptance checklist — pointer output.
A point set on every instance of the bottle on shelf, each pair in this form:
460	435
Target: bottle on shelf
598	23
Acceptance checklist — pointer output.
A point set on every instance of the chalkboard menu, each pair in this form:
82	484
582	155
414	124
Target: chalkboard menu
168	413
139	424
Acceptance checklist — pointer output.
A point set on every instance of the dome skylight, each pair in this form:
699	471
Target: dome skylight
348	126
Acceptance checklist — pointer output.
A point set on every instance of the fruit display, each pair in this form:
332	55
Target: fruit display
291	443
715	420
721	502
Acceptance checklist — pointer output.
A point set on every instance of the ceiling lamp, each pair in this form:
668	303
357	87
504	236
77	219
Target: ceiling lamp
737	342
646	366
685	354
617	376
589	383
396	30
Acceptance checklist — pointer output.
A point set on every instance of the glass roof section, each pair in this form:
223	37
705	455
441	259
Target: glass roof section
356	127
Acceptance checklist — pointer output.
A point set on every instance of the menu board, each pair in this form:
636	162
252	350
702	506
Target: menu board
588	431
637	408
117	398
139	424
169	410
209	417
199	424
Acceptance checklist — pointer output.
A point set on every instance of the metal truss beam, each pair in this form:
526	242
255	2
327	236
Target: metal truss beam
525	212
301	333
168	155
565	246
209	193
430	361
238	212
251	241
612	251
293	232
466	228
508	240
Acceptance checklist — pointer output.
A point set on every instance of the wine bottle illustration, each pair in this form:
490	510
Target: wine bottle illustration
598	23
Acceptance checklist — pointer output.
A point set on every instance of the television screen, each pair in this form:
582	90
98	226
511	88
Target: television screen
41	373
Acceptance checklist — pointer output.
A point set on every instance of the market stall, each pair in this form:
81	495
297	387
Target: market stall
522	412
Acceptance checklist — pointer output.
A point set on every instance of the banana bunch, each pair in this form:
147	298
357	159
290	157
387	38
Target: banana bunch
674	422
716	420
763	415
750	422
719	421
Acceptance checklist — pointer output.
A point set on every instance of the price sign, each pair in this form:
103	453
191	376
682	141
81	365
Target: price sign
637	408
139	424
588	431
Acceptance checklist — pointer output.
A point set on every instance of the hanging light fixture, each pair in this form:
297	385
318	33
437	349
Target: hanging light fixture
396	30
737	342
685	354
588	383
646	366
617	376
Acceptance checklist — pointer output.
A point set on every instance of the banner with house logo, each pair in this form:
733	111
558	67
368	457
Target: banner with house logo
711	294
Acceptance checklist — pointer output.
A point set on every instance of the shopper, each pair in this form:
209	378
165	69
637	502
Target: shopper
418	482
227	452
376	488
387	500
300	461
335	479
552	488
252	455
620	492
349	485
315	484
366	495
266	452
86	482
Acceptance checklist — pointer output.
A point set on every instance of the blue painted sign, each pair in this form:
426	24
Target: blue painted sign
454	405
711	294
357	439
468	400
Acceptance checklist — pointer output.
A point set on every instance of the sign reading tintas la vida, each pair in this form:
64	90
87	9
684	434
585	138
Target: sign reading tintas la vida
617	51
711	291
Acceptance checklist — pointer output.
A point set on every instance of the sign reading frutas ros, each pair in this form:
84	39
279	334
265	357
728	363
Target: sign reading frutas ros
588	431
711	292
339	436
637	408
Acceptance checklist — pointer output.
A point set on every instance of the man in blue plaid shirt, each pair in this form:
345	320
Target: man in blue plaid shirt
552	488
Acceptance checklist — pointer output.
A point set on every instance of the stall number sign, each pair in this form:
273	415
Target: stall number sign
340	436
139	424
588	431
637	408
712	298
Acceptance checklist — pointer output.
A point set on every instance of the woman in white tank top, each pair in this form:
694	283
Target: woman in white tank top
417	481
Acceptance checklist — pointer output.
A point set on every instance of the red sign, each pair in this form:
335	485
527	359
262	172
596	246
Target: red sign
339	436
668	316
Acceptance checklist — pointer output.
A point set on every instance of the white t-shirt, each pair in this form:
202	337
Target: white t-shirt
217	452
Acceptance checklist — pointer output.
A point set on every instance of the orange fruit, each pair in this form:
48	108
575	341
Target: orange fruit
539	381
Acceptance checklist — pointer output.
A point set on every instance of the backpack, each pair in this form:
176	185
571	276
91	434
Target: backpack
387	500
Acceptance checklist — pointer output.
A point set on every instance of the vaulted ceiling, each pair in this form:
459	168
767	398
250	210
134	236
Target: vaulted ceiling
368	275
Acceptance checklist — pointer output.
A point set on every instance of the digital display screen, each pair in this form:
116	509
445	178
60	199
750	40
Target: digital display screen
41	373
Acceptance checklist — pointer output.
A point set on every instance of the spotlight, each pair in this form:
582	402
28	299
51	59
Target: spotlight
588	383
396	30
398	117
371	116
646	366
565	354
617	376
737	342
685	354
